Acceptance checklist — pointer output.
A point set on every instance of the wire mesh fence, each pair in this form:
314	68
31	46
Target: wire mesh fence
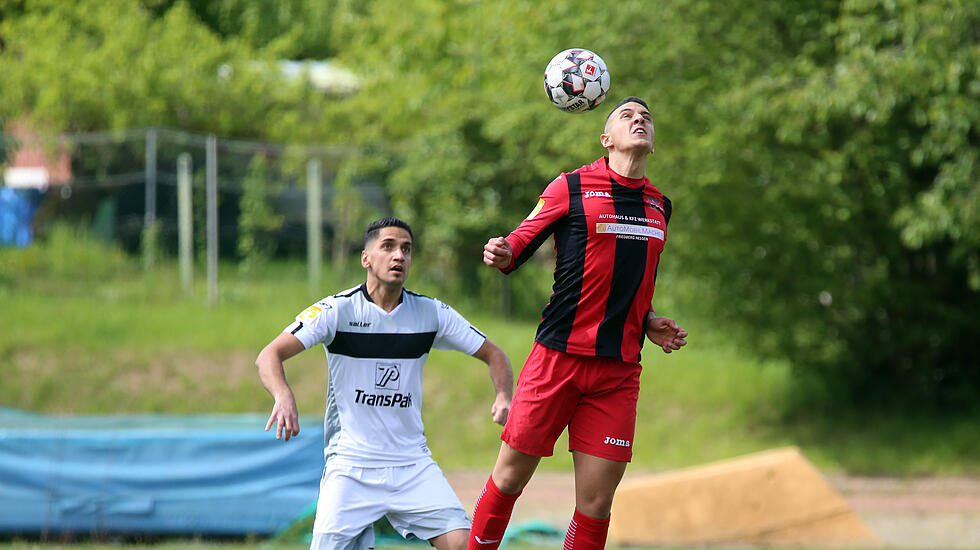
239	199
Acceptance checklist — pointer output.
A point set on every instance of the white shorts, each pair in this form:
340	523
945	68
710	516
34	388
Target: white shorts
417	500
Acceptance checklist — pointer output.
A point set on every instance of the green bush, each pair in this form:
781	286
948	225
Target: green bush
65	253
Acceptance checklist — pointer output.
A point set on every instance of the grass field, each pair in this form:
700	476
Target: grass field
87	331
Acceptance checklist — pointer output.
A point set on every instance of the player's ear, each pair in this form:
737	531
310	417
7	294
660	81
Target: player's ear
365	262
605	140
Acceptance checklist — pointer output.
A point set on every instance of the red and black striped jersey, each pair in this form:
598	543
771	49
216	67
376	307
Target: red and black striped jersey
609	232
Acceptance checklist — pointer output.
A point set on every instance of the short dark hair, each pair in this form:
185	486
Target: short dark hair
377	225
625	100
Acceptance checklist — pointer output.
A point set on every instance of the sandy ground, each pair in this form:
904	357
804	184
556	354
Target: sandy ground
905	513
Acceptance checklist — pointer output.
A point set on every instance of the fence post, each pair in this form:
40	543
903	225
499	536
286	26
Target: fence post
314	224
185	221
150	204
212	215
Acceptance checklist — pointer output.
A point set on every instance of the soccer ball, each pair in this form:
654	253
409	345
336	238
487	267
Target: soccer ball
576	80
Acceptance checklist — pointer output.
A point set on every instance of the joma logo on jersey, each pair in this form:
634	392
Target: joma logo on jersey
617	442
386	376
401	400
590	194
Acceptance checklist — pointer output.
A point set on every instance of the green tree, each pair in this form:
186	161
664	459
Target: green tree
836	207
91	65
257	221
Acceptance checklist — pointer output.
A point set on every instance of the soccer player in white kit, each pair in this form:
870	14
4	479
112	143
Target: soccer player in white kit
377	337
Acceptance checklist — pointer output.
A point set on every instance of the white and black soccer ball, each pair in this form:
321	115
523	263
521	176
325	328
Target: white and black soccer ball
576	80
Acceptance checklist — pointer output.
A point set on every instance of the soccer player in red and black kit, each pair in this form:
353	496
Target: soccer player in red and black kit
583	372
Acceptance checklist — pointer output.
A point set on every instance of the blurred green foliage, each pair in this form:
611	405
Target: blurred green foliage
257	219
836	196
822	155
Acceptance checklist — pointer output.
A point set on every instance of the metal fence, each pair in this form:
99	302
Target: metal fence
158	191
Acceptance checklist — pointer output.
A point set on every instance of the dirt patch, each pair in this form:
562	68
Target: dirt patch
934	512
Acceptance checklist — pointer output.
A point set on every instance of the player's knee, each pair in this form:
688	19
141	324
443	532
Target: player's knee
513	470
453	540
459	542
597	506
510	480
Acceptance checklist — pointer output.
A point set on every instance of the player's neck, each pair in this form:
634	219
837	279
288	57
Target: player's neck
628	165
385	296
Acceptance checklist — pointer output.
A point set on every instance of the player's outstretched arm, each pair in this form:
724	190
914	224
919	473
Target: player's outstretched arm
284	412
664	332
498	253
502	376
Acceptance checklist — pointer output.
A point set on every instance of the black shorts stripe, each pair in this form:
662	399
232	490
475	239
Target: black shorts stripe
571	236
629	266
382	345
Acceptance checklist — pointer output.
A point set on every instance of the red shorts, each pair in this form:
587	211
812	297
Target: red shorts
594	396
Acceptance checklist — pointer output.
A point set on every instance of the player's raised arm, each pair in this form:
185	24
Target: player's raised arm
502	376
269	362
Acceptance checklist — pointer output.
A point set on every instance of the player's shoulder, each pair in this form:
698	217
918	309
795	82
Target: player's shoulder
414	294
661	202
599	165
349	293
424	300
342	299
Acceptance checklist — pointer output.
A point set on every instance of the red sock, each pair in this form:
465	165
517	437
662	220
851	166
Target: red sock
585	533
491	513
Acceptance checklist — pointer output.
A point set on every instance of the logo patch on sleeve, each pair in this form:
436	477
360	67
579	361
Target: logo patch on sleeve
310	313
537	209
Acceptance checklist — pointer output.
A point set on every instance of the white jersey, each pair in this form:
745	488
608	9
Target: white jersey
374	393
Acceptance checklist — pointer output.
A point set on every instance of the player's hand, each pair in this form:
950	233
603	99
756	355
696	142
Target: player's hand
285	416
500	409
498	253
665	333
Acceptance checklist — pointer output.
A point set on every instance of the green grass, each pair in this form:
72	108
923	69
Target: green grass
84	330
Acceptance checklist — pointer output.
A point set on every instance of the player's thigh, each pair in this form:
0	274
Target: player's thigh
424	505
351	499
604	422
453	540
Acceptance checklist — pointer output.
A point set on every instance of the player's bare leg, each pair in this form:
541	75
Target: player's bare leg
453	540
513	469
596	480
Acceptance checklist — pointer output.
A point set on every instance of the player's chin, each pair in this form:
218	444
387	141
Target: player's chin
637	146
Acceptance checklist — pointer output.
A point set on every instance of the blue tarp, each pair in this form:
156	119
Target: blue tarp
17	209
153	474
